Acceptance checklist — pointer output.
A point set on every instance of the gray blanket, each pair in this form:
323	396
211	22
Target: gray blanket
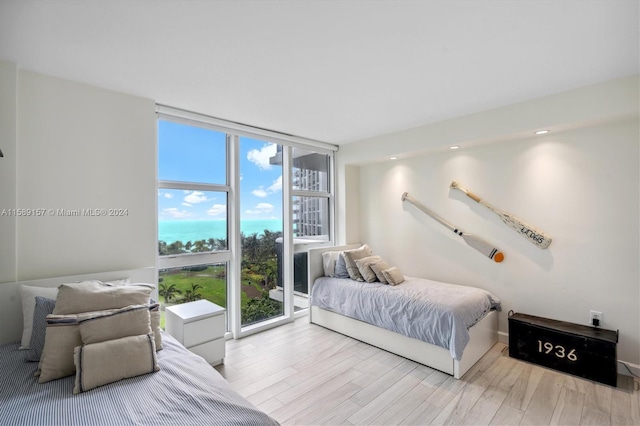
431	311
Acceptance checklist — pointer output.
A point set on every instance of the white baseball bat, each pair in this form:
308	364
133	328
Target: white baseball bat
473	241
532	234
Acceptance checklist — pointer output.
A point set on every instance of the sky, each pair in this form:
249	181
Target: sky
193	154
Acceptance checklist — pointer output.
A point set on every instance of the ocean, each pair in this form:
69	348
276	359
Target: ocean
194	230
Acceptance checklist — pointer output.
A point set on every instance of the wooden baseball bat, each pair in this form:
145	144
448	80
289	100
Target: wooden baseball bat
473	241
532	234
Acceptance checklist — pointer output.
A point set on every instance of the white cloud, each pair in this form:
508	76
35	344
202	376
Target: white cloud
261	157
261	208
187	205
259	192
276	185
195	197
175	213
217	210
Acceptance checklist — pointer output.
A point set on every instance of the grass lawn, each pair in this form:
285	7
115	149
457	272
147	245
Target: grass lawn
213	285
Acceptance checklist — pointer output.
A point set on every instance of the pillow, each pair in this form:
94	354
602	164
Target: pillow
43	308
90	296
377	268
393	275
350	257
101	363
121	281
28	294
154	317
364	267
341	268
63	335
329	259
129	321
57	355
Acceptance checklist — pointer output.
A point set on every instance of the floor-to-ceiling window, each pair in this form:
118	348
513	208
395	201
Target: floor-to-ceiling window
234	202
193	230
261	230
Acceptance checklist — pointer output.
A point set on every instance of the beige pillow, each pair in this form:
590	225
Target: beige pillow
377	268
154	316
90	296
101	363
364	267
393	275
129	321
64	333
61	337
350	257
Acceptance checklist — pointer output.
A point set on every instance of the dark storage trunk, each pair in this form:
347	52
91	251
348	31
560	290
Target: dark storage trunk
576	349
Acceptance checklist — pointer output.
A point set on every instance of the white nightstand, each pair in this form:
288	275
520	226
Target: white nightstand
200	327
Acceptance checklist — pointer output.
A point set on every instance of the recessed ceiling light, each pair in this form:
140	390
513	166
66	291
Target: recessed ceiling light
454	147
542	132
393	158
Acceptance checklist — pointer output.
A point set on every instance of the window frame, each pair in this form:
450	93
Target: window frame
232	256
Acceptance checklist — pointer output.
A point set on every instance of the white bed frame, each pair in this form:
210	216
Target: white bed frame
11	301
483	335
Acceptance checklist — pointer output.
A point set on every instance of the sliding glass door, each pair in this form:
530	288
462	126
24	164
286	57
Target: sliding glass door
261	232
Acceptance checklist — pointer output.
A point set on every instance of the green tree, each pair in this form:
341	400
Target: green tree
261	308
168	291
193	293
251	247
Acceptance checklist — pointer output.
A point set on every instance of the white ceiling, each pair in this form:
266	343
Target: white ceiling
334	71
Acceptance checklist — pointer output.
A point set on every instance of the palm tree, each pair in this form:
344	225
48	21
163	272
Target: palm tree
251	247
193	293
168	291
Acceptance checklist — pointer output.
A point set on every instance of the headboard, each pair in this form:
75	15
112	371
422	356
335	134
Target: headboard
11	301
315	268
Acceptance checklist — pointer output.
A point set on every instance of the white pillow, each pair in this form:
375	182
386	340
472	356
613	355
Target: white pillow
29	294
329	259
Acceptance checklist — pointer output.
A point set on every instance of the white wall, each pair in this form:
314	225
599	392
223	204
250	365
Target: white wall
81	147
8	134
580	184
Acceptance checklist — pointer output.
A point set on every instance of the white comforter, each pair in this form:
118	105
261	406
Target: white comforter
431	311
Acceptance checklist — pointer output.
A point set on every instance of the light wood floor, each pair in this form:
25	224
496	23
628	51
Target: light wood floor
303	374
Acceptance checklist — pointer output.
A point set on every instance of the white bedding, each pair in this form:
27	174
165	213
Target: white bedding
431	311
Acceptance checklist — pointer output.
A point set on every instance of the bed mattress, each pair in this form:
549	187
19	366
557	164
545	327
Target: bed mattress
431	311
186	391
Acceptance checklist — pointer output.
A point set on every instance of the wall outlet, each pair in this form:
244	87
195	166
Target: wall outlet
595	318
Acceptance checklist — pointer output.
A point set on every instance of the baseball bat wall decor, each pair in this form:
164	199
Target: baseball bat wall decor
532	234
473	241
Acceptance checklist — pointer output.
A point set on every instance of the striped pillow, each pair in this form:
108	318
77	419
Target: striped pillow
44	307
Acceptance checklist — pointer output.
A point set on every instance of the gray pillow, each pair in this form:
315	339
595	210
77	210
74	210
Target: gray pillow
43	307
341	268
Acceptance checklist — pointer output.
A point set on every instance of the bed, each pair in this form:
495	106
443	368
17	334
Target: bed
337	304
184	390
